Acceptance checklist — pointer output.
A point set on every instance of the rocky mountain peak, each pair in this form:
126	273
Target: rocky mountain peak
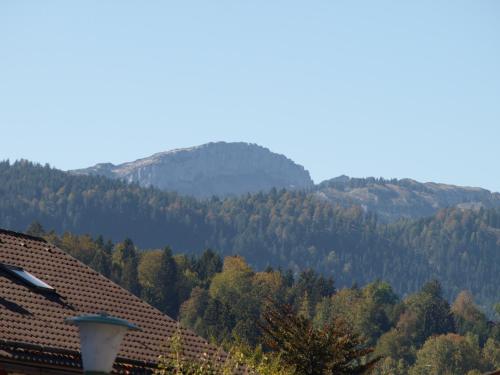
218	168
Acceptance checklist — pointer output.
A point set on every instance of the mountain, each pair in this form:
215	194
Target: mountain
288	229
405	198
220	169
231	169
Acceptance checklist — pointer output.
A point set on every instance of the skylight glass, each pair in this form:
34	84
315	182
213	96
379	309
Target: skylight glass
27	277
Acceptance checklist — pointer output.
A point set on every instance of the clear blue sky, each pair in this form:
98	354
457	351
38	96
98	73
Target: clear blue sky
363	88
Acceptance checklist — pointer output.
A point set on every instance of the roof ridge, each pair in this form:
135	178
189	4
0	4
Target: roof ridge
22	235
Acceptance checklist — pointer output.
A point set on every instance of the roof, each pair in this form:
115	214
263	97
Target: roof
32	322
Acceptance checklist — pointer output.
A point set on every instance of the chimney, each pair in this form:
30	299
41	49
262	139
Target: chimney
100	339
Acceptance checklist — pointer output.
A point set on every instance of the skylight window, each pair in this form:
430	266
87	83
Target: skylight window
27	277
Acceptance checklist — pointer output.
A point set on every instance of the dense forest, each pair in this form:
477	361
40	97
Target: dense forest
226	300
291	230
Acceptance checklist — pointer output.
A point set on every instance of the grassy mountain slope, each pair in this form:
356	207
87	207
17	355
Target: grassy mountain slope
406	198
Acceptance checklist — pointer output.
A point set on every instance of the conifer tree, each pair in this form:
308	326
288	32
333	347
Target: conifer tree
125	262
332	349
166	285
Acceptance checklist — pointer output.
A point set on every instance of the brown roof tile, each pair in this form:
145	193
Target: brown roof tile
32	317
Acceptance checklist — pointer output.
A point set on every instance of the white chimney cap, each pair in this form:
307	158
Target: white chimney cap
100	339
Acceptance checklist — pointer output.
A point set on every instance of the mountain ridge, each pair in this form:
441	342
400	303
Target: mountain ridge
394	199
216	168
234	168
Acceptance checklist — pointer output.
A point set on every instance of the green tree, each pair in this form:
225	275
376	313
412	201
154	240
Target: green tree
397	345
448	354
125	263
165	289
491	353
428	313
148	269
389	366
375	310
233	288
207	265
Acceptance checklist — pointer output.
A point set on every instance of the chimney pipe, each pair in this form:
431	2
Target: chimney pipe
100	339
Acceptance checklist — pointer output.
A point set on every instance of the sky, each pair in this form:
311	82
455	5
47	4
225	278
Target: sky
363	88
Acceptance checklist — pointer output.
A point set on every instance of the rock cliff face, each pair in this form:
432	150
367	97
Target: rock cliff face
219	168
394	199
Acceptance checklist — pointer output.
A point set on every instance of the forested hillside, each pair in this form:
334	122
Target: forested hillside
395	199
292	230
